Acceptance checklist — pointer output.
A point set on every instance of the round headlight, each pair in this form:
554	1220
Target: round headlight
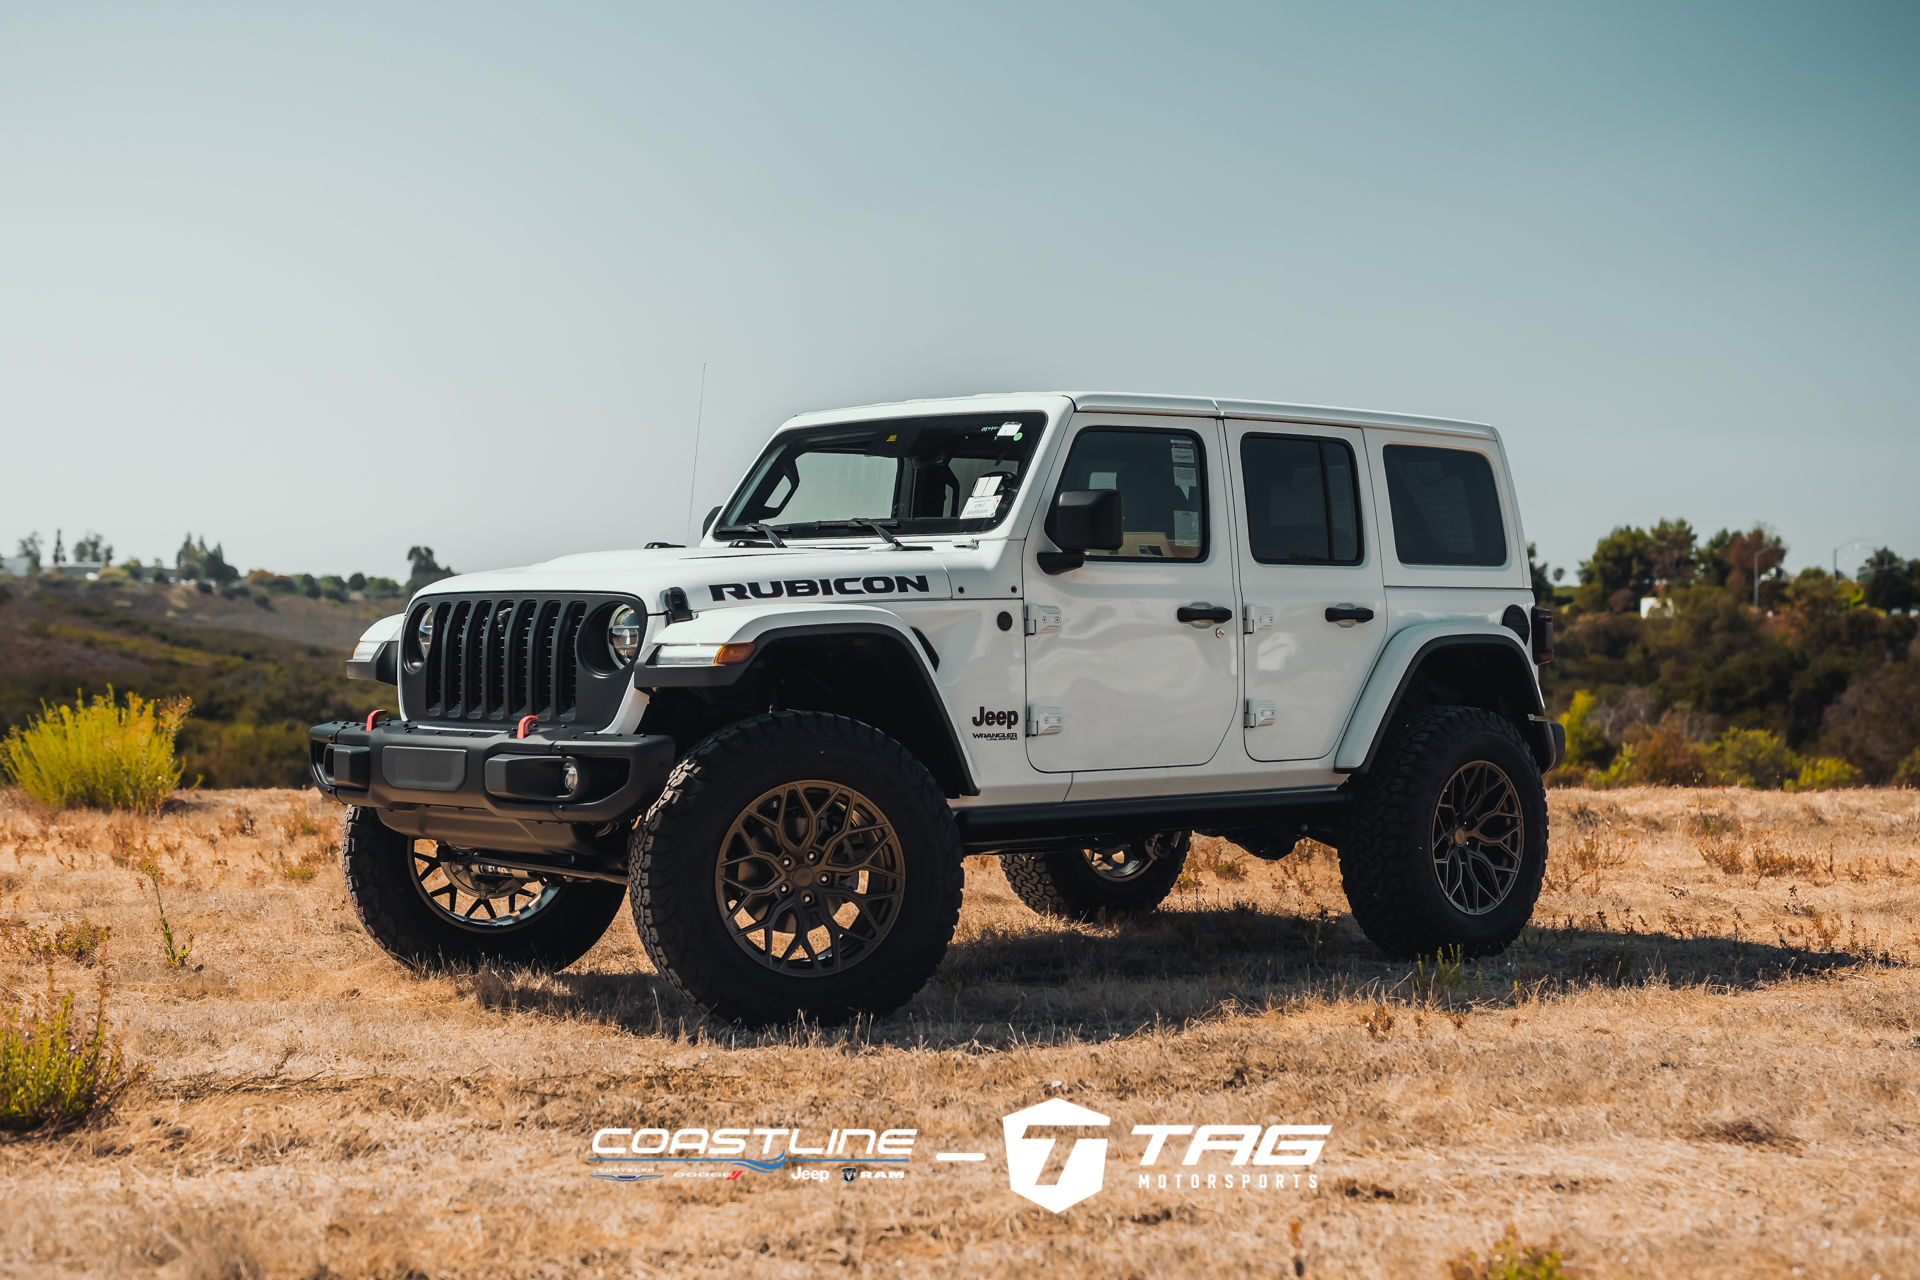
623	633
423	632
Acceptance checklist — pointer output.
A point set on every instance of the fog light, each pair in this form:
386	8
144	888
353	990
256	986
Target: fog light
623	633
570	777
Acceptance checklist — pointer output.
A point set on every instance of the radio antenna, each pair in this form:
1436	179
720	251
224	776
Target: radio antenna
698	417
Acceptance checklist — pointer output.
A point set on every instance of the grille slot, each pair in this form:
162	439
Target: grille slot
497	659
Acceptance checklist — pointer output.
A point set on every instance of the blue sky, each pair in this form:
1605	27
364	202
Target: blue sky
325	281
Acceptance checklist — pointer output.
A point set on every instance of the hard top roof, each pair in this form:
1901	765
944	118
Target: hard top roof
1158	405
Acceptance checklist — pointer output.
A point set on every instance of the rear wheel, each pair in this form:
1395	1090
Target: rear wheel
1099	882
442	906
1448	841
798	863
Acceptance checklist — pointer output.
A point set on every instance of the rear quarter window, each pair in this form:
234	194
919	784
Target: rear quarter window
1446	508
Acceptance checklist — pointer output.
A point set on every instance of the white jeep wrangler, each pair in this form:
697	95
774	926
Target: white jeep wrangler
1067	629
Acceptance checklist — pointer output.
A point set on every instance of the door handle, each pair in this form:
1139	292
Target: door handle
1349	613
1202	612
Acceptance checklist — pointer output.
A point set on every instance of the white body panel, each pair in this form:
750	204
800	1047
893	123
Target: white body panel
1306	669
1138	688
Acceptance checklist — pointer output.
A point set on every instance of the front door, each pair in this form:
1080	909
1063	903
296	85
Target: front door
1132	684
1316	612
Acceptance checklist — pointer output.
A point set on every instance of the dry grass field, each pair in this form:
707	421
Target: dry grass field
1702	1060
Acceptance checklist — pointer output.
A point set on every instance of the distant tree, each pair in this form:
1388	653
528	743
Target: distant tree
1710	563
1620	572
1889	581
92	549
1756	554
1542	585
1672	556
59	551
30	548
186	561
358	582
213	562
424	568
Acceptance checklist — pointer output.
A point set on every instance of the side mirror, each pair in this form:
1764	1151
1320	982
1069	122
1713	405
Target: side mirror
1082	520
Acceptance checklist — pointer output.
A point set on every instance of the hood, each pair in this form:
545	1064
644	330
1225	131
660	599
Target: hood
721	577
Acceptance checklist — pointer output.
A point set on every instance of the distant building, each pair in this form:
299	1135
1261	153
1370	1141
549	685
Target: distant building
18	566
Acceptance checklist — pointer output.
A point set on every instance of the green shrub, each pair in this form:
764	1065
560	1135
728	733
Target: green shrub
1661	756
58	1067
1828	773
1587	747
1509	1259
98	754
1752	758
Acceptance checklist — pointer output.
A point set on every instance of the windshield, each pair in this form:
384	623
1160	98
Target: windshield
952	475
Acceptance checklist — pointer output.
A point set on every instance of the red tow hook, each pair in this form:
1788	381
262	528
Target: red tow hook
525	726
375	717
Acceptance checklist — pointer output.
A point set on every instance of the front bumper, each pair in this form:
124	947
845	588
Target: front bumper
401	767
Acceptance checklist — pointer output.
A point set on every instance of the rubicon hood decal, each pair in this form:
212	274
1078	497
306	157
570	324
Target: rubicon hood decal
903	584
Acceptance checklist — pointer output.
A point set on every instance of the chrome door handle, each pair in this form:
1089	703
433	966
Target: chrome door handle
1349	613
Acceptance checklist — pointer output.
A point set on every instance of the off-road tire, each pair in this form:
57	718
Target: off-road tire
1386	859
379	869
676	851
1061	882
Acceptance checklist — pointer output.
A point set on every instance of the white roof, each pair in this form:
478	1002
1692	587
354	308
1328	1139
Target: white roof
1157	405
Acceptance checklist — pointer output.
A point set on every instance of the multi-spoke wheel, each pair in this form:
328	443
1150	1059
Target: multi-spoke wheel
426	904
798	863
1099	882
1479	838
1447	842
476	895
810	878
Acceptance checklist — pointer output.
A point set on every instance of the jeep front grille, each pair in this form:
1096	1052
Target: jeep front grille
499	658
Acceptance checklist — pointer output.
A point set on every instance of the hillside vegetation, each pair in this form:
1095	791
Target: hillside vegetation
258	676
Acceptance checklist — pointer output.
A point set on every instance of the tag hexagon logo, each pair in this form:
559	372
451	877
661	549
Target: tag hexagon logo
1085	1169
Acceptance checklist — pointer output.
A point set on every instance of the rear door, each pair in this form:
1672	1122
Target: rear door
1315	613
1136	687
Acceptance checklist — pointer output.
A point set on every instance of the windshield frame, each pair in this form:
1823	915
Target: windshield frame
738	517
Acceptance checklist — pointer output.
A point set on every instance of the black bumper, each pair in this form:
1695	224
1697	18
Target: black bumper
488	774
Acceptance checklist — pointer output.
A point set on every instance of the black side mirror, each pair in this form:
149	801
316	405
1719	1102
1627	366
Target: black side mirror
1082	520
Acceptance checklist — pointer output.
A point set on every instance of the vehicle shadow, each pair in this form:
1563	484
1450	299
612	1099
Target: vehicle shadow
1060	981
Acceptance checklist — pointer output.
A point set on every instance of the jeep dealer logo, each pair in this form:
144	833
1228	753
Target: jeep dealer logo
797	588
1084	1171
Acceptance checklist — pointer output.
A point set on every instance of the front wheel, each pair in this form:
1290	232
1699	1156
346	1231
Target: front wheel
1099	883
447	907
797	863
1448	841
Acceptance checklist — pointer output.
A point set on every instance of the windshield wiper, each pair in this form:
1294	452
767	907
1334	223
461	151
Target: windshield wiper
764	530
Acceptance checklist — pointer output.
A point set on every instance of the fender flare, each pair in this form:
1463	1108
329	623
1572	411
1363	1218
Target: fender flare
1400	661
767	628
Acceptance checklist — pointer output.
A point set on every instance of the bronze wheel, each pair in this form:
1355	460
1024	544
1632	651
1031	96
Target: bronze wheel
1479	838
810	878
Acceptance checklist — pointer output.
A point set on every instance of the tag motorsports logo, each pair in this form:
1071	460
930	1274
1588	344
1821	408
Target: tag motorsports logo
1083	1172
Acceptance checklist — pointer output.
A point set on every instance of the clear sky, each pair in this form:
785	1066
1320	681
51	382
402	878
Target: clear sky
323	281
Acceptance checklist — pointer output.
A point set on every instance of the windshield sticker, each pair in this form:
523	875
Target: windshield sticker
798	588
1183	451
987	484
980	508
1010	429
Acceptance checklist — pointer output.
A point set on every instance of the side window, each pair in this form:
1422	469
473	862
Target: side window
1161	476
1446	510
1303	500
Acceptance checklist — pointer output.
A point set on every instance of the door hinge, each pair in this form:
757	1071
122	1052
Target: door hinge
1255	617
1042	618
1260	713
1042	721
